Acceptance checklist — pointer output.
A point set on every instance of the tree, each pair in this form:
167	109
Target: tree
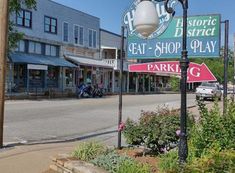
216	65
14	7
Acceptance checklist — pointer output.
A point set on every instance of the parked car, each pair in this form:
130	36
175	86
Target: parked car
229	90
208	90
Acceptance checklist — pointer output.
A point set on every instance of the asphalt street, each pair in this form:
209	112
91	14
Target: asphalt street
29	121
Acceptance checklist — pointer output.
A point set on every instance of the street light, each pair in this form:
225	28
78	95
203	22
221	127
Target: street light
144	24
184	61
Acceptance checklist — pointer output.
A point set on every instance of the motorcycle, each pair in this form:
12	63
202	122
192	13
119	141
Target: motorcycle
88	91
97	92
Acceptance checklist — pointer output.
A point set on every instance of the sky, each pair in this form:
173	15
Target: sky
110	12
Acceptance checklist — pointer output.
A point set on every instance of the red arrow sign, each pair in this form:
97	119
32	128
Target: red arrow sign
196	72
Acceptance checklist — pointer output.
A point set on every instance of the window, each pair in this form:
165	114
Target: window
20	46
92	38
52	77
65	32
35	47
81	35
69	77
78	35
24	18
51	50
50	25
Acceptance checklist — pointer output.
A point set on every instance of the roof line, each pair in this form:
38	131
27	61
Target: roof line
73	9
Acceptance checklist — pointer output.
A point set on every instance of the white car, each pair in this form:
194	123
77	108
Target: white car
208	91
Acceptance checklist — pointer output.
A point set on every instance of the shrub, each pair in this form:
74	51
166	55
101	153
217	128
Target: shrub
169	162
133	133
216	162
155	130
175	83
88	150
130	166
212	127
110	161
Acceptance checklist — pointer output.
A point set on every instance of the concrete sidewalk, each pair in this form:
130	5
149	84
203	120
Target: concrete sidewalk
37	158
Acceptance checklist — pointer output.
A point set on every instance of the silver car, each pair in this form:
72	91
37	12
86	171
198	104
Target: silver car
208	91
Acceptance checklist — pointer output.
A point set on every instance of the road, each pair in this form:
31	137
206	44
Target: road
47	120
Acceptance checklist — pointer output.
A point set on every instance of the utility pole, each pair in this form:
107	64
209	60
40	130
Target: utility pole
3	51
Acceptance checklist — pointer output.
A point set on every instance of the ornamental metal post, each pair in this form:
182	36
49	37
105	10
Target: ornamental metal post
184	64
120	89
3	51
145	30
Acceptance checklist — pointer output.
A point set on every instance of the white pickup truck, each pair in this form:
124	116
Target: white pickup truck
208	91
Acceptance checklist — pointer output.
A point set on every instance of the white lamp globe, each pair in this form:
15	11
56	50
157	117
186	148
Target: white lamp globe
146	19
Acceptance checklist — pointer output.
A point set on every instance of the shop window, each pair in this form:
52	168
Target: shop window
69	77
51	50
24	18
52	77
36	79
20	46
19	76
35	47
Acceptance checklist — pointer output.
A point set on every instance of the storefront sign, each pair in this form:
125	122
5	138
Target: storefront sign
37	67
196	72
203	37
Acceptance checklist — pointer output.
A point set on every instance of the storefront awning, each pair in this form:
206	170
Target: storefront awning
88	61
39	59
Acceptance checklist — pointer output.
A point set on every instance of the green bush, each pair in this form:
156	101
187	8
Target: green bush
215	162
169	162
212	127
155	130
110	162
88	150
175	83
211	144
133	133
130	166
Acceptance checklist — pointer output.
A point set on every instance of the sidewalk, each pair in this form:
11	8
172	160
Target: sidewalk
37	158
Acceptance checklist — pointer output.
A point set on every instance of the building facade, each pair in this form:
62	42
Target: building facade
132	82
63	48
60	49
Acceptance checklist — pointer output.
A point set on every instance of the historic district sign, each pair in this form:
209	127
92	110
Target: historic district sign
166	42
196	72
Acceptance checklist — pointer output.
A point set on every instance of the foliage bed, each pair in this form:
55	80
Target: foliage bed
155	130
211	143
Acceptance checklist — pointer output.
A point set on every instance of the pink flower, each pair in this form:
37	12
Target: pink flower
164	150
121	126
177	132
